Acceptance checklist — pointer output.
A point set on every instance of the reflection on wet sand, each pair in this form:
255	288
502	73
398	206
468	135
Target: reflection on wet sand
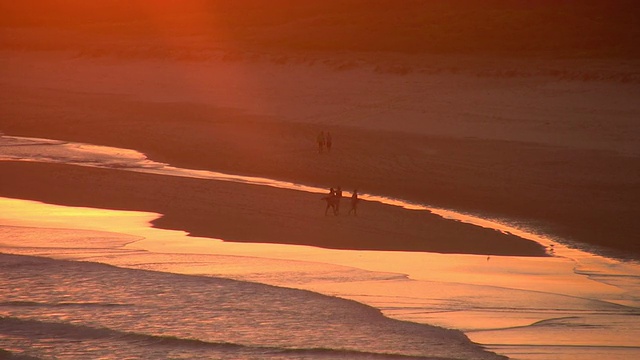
53	151
518	306
502	301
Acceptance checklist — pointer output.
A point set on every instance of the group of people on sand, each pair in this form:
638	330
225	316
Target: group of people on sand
333	201
324	140
335	195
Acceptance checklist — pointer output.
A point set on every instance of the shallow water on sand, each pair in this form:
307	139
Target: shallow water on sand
573	304
79	310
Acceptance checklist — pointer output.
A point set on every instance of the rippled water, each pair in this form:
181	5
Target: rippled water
572	305
61	309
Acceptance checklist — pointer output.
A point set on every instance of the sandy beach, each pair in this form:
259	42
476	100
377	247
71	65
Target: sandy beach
221	210
495	149
523	307
563	155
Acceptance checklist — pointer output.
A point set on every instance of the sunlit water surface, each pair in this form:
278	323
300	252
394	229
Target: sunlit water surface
572	305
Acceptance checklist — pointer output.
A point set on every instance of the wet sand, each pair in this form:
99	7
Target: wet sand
249	213
555	156
502	303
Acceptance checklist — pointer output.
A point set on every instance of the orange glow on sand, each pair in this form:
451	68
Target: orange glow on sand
492	130
416	282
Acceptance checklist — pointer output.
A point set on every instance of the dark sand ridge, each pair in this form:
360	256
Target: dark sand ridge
250	213
587	195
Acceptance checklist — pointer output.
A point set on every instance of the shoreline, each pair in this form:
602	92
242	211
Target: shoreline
276	215
553	156
433	277
489	192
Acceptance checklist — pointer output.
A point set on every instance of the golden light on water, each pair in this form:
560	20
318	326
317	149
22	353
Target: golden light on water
415	284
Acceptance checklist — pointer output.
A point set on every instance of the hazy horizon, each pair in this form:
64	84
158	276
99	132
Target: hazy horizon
547	29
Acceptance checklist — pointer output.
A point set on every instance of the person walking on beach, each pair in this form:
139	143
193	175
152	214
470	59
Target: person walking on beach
354	203
328	141
321	142
338	197
331	201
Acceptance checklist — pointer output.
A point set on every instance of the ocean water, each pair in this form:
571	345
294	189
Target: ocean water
58	309
171	296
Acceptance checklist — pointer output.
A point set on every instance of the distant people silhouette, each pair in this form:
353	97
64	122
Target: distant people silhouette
338	197
331	201
328	141
354	203
321	142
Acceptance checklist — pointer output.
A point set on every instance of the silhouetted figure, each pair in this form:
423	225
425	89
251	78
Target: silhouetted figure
328	141
331	201
338	197
321	142
354	203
